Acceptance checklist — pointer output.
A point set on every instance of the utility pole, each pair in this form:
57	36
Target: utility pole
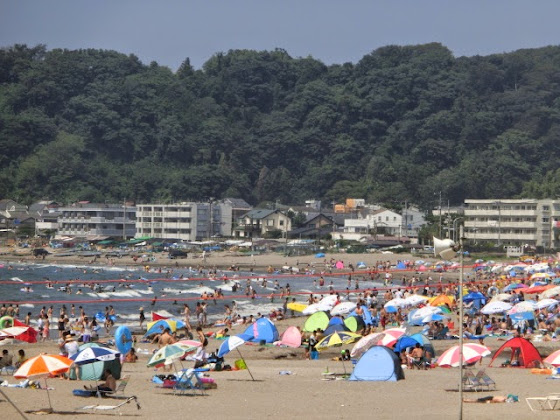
124	220
440	214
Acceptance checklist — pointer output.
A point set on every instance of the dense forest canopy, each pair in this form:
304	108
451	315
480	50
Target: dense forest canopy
404	123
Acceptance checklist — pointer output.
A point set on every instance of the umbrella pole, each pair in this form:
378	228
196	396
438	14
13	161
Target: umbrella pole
48	395
248	370
13	405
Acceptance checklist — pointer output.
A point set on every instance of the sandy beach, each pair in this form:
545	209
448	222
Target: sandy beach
304	392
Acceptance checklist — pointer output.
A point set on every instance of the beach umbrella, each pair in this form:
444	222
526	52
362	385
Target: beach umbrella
496	307
94	354
391	336
189	343
311	309
540	276
472	352
167	355
553	359
397	303
26	334
545	303
514	286
365	343
535	288
502	297
343	308
233	343
337	338
43	366
525	306
551	292
414	300
418	315
157	327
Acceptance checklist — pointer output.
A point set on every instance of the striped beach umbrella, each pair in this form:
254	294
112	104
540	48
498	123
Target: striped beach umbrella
472	352
43	366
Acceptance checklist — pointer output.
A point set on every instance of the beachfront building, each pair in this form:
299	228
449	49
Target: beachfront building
13	216
187	221
263	223
46	214
95	221
513	222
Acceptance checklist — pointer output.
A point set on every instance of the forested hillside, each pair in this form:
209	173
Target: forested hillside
404	123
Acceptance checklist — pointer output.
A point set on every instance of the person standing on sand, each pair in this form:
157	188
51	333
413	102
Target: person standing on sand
187	316
141	316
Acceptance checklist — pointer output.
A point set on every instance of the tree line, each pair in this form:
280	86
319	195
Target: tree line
403	123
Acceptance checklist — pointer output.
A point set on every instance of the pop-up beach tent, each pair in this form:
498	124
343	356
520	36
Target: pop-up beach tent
262	330
354	323
319	320
526	353
379	363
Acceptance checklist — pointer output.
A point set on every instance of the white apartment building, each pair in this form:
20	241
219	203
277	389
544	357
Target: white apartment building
95	220
514	222
188	221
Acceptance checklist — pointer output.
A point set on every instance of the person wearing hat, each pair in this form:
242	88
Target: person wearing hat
70	345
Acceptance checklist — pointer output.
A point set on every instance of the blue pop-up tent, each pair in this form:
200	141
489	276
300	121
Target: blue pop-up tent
379	363
262	330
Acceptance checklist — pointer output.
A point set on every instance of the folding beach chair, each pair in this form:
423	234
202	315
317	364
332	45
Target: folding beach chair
550	402
8	370
485	380
111	407
189	380
471	382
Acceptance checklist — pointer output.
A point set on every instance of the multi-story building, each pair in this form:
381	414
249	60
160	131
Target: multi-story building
95	220
260	222
188	221
513	222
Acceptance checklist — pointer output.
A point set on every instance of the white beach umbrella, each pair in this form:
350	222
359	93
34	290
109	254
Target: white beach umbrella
496	307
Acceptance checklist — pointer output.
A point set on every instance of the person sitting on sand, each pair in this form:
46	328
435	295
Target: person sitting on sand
131	356
222	333
165	338
110	384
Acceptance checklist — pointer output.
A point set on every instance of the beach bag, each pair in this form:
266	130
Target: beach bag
240	364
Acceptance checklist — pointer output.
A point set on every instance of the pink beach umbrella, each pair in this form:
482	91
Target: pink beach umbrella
391	336
365	343
553	359
472	352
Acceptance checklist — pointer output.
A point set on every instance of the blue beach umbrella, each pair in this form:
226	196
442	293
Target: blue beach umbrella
233	343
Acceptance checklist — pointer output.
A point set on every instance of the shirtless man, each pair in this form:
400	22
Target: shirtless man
165	338
417	355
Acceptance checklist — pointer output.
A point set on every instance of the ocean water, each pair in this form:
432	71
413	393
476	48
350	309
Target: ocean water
32	286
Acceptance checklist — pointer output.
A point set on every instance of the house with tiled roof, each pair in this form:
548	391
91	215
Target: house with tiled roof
262	223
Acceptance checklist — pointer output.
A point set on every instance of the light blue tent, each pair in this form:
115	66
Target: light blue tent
366	315
262	330
379	363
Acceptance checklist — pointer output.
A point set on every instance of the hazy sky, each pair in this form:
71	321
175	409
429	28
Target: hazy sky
168	31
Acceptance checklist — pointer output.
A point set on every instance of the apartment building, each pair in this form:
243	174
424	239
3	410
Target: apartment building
513	222
95	220
188	221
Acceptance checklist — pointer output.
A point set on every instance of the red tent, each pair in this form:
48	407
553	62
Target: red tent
522	349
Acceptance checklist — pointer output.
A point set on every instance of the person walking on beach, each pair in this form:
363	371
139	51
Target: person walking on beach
141	316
